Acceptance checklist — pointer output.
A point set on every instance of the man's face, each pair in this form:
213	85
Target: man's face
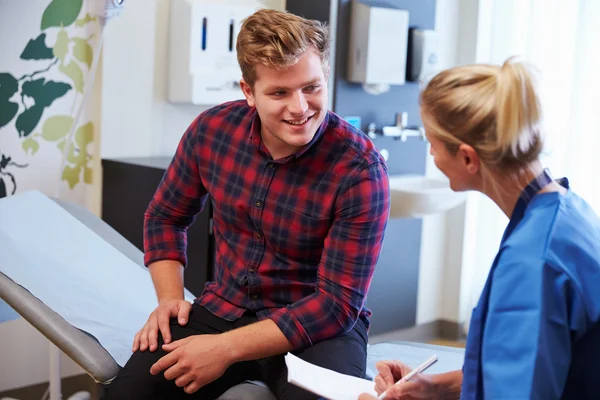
291	103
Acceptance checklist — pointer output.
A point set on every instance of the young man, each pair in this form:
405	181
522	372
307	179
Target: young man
300	202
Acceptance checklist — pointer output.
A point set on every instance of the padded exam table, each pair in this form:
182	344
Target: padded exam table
84	287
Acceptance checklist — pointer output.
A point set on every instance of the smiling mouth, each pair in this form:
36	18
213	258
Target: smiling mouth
298	122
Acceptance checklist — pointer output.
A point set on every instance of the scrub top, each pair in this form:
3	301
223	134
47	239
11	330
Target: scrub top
535	333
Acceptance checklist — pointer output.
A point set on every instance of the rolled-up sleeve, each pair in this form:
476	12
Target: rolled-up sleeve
351	251
179	197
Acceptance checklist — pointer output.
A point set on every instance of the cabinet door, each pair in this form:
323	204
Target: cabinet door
127	190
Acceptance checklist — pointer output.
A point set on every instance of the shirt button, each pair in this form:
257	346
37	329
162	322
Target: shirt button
252	270
258	235
254	297
258	203
271	166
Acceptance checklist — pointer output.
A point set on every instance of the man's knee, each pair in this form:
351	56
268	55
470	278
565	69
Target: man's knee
135	381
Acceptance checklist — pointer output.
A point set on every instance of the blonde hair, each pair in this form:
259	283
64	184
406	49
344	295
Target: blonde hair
494	109
277	39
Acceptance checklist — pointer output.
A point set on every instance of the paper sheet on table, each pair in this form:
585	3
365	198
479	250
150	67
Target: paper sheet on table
74	271
324	382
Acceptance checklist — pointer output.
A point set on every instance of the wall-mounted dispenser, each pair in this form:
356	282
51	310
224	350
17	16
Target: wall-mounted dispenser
203	67
378	45
423	58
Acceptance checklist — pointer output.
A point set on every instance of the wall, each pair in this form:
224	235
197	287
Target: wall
447	258
137	120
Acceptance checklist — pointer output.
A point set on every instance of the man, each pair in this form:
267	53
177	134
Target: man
300	202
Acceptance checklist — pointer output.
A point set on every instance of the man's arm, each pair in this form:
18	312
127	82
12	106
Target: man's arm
179	198
351	250
259	340
167	276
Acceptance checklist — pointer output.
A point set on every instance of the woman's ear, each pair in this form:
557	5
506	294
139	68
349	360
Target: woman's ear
469	158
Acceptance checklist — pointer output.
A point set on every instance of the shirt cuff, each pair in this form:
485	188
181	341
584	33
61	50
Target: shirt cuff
157	255
291	328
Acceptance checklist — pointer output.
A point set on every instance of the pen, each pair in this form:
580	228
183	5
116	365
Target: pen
412	373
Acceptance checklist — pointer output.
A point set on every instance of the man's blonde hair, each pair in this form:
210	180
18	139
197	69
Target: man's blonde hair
495	109
277	39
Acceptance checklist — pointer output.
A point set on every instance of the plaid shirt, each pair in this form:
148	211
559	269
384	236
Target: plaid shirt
297	239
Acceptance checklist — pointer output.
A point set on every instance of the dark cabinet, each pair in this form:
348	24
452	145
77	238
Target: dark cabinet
128	187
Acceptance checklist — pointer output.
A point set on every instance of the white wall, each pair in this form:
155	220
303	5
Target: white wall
25	356
443	291
137	120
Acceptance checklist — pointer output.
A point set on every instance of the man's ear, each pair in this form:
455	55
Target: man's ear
326	72
247	90
469	158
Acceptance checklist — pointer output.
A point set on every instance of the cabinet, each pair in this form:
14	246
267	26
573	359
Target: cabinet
128	187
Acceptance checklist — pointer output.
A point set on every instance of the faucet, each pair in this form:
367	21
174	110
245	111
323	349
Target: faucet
399	131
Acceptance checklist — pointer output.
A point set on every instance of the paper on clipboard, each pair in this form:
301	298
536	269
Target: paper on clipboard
325	382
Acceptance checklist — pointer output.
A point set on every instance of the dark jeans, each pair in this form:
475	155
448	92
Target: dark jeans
346	354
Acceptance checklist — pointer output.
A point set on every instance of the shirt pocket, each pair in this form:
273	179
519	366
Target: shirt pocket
299	237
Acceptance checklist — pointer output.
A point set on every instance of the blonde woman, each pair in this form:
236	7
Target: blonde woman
535	333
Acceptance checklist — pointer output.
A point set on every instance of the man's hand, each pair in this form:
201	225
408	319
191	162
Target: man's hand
147	337
195	361
419	386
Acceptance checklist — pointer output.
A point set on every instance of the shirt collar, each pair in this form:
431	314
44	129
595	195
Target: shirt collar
256	141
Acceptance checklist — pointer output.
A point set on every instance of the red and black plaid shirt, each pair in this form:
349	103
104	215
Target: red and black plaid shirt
297	239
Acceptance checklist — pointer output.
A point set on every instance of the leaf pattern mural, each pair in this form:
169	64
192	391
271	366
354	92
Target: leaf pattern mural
44	93
8	87
61	13
36	49
29	96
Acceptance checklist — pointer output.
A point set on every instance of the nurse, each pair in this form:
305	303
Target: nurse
535	333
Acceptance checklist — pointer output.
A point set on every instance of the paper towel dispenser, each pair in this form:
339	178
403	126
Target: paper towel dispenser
378	44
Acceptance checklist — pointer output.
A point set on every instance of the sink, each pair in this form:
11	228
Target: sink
414	196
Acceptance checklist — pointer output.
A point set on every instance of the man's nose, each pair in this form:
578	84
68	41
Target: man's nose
298	104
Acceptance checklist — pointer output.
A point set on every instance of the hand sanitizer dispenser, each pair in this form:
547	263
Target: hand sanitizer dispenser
378	44
423	60
203	67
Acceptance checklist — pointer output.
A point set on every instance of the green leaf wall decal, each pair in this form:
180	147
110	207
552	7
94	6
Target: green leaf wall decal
73	71
83	51
61	13
82	21
87	175
30	146
8	87
28	120
44	93
36	49
84	136
56	127
71	175
61	47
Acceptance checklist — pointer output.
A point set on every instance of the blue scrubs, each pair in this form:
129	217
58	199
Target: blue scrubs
535	333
